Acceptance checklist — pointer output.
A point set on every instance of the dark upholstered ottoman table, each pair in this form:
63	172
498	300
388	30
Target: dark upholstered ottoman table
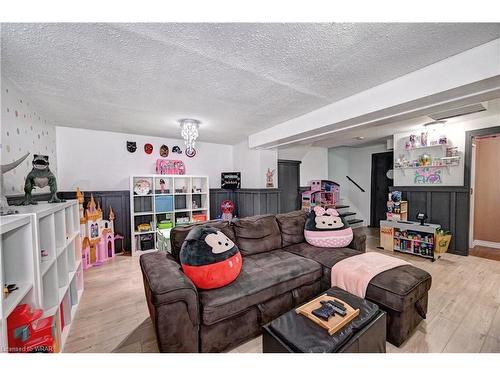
295	333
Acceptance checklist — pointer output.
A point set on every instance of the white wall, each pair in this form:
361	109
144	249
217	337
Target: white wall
24	129
357	164
253	165
314	160
99	160
454	130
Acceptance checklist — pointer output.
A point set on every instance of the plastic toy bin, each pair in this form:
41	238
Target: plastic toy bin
164	203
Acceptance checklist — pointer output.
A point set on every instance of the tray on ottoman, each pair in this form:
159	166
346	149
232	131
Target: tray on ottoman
292	332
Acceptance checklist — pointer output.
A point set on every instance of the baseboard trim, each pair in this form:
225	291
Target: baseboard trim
494	245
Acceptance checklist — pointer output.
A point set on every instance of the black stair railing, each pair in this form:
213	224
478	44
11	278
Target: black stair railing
355	183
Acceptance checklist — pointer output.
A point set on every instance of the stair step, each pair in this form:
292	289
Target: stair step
344	214
339	206
354	221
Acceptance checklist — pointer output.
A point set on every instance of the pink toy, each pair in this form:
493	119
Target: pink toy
322	193
97	234
227	207
325	228
168	166
162	185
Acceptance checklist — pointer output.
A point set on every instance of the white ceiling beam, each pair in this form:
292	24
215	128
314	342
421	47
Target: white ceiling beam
470	76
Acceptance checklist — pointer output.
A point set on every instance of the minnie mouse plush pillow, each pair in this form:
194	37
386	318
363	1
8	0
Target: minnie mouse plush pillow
325	228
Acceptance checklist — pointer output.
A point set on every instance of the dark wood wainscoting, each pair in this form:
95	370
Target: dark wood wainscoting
446	206
248	202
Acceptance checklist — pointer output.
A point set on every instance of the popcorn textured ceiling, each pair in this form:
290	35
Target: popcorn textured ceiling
236	78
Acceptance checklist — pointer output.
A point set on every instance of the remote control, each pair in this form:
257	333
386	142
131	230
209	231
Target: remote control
338	304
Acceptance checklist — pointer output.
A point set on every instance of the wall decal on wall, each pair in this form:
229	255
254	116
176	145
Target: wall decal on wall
190	152
131	146
427	175
148	148
20	135
164	151
177	150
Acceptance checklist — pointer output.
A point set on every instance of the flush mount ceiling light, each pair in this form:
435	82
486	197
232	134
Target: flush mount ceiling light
432	123
359	138
189	131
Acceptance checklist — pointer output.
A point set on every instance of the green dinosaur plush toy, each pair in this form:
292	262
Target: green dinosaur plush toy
40	176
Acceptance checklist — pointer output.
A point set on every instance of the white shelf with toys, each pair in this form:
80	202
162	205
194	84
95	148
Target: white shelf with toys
41	255
164	201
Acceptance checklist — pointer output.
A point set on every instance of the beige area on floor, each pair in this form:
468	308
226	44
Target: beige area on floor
463	316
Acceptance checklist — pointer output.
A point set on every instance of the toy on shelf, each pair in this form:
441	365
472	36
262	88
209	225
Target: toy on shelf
409	237
144	227
98	235
227	207
324	193
270	178
183	220
162	186
28	332
199	217
397	209
40	176
9	288
142	187
164	224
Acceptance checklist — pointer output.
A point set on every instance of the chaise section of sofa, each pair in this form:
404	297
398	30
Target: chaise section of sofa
402	291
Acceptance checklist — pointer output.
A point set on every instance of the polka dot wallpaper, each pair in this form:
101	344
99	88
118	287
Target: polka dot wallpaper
24	129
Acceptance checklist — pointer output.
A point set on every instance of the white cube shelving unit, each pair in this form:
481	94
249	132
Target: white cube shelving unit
184	200
46	282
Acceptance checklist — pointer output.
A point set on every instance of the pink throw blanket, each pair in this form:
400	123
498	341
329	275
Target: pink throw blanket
355	273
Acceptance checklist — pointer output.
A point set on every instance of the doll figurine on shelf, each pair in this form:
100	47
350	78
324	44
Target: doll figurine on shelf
269	178
162	185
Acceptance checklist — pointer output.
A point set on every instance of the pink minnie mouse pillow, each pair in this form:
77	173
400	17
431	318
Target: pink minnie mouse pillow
325	228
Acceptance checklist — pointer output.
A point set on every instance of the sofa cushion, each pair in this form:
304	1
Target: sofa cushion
292	227
257	234
179	234
326	256
263	276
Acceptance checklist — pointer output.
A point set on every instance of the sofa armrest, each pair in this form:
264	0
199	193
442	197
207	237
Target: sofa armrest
172	302
358	240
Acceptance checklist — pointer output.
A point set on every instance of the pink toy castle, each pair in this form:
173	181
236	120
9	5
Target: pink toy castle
98	235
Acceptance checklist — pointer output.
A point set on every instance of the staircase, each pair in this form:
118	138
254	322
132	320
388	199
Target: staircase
349	215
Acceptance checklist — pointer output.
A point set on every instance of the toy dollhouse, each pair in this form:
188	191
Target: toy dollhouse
323	193
98	235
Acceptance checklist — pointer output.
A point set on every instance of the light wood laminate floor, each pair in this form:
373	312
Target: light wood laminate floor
463	315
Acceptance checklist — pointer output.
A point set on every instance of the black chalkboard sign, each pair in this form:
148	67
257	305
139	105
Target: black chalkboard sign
230	180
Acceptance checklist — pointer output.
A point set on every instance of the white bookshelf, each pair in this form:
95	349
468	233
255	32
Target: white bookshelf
45	282
151	208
